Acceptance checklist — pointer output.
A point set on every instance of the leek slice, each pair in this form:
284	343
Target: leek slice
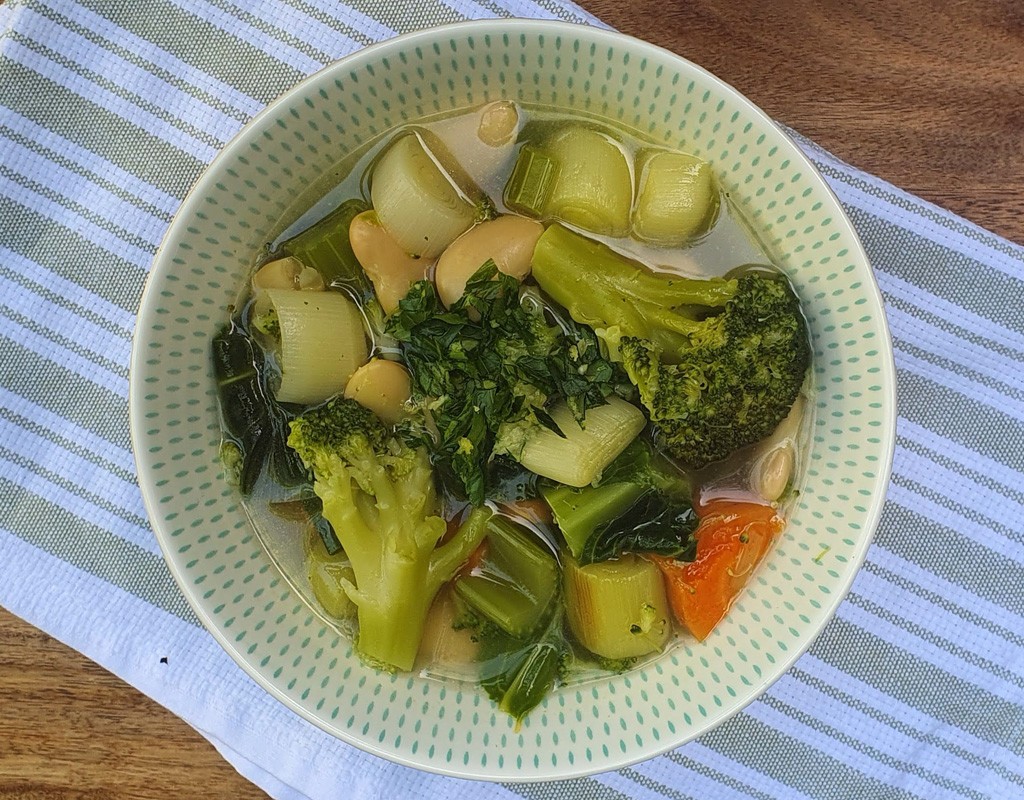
416	201
579	456
322	343
677	197
617	609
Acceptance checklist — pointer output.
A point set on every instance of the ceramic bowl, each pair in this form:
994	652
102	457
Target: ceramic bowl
251	191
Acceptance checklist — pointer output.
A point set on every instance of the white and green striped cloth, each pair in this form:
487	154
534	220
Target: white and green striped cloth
109	111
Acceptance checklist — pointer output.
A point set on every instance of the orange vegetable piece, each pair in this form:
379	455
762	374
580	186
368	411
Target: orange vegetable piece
732	538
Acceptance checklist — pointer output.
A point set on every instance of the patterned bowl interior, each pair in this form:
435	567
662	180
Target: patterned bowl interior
245	197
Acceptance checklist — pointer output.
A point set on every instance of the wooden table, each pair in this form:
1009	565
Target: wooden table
927	95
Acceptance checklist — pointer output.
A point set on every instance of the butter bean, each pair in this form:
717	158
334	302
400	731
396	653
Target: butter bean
773	472
499	122
391	270
287	273
775	457
382	386
509	241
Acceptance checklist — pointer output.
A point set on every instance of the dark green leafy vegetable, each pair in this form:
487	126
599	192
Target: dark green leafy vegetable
255	426
492	360
245	409
518	673
652	524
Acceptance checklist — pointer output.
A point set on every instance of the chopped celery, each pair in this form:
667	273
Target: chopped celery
516	582
617	609
530	185
325	247
579	455
677	197
580	176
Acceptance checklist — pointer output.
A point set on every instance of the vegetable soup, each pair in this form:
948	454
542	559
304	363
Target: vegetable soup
517	399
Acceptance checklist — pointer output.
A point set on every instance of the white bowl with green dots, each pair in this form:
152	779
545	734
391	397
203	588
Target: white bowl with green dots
248	606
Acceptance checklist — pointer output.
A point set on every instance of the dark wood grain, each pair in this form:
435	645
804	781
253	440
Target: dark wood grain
69	730
927	95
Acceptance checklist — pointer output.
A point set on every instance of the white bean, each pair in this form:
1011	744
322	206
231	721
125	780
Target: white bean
287	273
775	457
383	387
391	270
509	241
499	122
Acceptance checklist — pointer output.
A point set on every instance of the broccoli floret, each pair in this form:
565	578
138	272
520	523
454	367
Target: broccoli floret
735	382
378	494
718	362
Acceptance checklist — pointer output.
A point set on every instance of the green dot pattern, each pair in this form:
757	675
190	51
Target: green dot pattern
256	614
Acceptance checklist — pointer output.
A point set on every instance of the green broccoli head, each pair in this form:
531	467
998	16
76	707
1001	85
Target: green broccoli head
735	382
343	434
718	362
378	493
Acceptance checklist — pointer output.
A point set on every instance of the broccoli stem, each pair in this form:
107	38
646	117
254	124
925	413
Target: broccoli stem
580	512
603	289
392	617
637	482
390	628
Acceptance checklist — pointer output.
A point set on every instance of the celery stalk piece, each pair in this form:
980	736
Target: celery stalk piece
325	247
677	197
617	609
579	456
530	184
515	583
580	176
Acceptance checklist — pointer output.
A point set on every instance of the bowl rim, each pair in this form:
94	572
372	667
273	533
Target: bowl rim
369	54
